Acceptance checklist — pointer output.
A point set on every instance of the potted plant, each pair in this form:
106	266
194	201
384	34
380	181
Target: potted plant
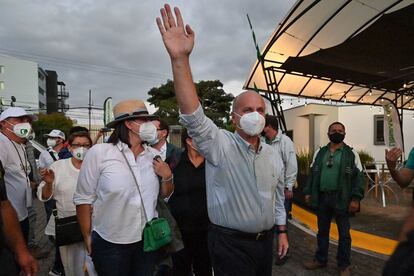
304	159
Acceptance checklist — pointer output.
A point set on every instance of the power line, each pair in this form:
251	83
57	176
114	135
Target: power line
101	68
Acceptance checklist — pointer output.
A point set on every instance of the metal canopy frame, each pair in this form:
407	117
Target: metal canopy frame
285	66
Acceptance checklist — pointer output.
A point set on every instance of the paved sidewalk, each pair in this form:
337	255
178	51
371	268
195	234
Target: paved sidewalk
303	247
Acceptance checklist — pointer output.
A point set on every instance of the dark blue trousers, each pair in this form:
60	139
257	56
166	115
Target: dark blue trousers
111	259
326	210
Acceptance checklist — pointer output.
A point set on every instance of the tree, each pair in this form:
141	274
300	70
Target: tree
48	122
215	101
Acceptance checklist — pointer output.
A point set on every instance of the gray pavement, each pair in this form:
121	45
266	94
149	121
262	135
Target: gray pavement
302	248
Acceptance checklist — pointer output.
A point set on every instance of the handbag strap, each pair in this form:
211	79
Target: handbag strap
136	182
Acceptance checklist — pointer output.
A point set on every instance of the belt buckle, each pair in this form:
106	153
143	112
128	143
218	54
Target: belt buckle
259	235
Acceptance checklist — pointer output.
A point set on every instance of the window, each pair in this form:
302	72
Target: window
1	69
379	130
41	91
1	85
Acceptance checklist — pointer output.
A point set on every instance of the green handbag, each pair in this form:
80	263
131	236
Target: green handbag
157	233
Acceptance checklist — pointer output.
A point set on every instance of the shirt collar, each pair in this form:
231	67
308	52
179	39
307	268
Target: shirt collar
277	138
124	147
246	144
163	148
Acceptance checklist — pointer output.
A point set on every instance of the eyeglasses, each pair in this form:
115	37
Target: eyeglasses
80	145
330	161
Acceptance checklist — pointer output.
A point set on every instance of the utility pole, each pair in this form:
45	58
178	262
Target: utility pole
90	109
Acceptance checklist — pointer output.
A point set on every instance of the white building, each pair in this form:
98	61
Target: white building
20	79
309	125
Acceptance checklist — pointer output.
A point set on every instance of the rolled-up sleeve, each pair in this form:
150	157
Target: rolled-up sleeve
88	179
203	131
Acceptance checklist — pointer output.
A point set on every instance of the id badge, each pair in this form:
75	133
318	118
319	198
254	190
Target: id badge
28	196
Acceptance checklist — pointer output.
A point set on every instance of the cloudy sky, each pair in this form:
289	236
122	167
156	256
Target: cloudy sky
114	47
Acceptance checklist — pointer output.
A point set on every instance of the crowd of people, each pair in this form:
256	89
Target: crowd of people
225	195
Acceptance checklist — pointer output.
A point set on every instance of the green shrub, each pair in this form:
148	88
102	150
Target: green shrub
304	158
365	157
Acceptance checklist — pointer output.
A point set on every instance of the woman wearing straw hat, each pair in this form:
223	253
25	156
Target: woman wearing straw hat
120	179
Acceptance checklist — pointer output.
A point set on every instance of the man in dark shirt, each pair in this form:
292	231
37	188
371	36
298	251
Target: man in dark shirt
188	205
11	237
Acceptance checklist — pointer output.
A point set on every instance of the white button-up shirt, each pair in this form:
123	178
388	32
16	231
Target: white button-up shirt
241	183
106	182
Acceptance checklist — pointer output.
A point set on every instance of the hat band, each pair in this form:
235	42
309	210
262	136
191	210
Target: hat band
136	113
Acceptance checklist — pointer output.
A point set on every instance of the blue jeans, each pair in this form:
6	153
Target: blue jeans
111	259
326	210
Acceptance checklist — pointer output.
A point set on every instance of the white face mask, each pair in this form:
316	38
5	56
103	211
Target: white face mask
22	130
79	153
252	123
51	143
148	132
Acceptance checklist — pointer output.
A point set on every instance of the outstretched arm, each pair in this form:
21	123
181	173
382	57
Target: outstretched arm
404	176
179	42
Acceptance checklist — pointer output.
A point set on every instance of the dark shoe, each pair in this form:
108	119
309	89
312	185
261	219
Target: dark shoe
54	272
314	264
281	261
38	253
345	271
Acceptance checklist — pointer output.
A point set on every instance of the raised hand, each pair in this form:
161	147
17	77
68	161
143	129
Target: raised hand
391	156
47	175
178	40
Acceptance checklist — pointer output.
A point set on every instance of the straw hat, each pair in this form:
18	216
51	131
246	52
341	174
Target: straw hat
129	109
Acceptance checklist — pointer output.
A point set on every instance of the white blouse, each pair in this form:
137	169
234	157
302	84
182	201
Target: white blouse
64	185
106	182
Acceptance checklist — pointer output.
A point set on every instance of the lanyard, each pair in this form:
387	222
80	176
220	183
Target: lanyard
23	167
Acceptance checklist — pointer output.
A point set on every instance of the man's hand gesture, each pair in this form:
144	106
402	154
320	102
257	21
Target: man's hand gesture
178	41
391	156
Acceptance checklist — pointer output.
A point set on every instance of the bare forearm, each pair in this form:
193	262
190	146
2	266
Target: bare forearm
11	228
84	213
166	189
185	91
403	177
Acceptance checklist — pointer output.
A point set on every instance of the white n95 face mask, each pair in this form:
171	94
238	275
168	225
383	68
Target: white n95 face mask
252	123
22	130
148	133
79	153
51	143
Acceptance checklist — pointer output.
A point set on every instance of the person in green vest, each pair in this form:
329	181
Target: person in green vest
335	188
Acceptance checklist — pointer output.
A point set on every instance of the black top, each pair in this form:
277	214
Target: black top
3	197
3	194
188	203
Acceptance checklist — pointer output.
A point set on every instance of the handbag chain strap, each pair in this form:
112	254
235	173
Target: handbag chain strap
136	182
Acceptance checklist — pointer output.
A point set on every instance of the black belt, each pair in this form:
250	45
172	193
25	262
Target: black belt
244	235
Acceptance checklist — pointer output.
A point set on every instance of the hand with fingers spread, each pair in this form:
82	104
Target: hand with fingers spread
47	175
391	156
178	40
